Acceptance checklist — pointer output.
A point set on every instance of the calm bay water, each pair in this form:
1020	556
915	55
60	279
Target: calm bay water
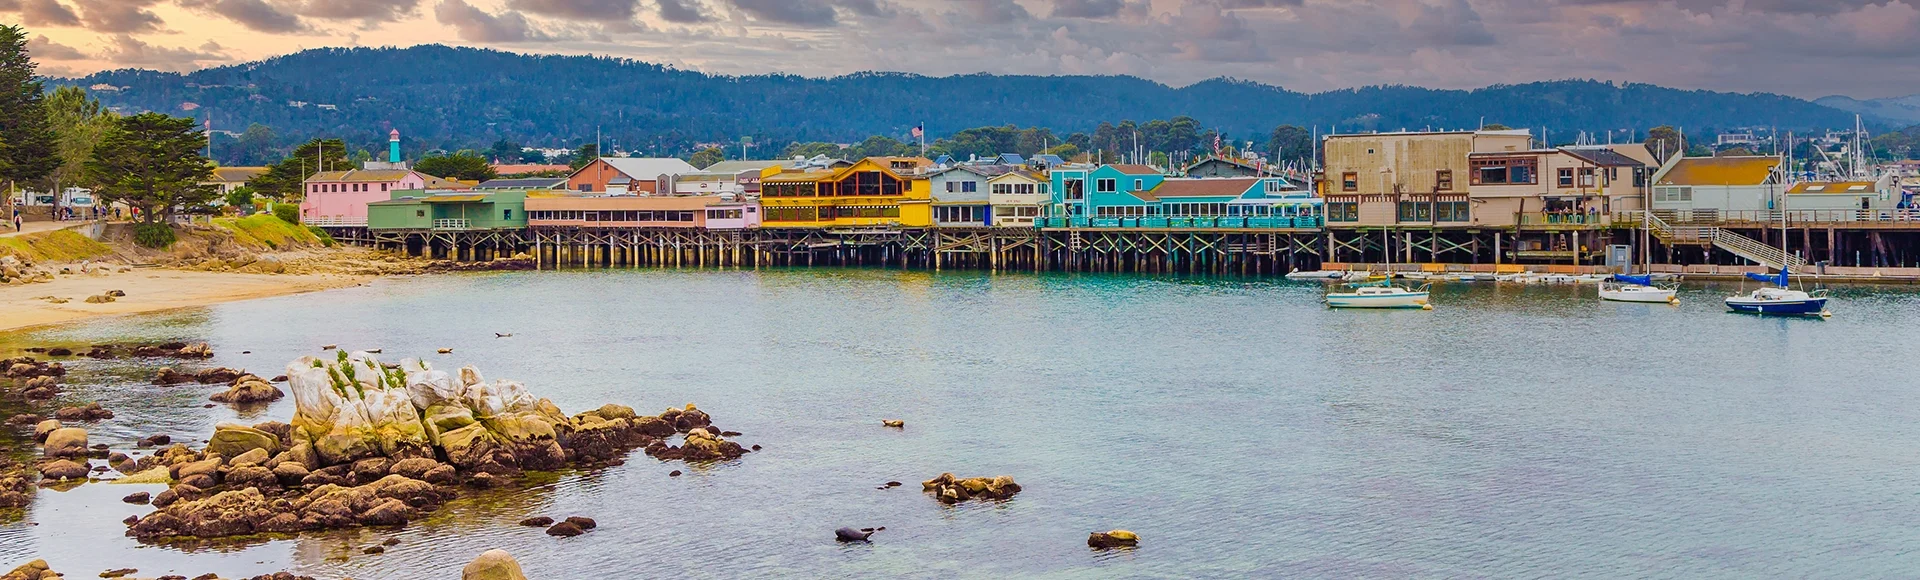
1238	426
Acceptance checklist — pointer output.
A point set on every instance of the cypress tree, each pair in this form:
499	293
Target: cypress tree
27	145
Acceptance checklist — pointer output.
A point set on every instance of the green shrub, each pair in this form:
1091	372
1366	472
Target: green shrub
153	235
325	238
287	212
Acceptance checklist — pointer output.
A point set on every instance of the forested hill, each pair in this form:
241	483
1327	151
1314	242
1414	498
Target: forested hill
444	97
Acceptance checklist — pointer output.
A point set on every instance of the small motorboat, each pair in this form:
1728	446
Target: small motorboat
1779	300
1317	275
1380	295
1622	288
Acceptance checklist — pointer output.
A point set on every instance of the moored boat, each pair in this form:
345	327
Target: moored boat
1317	275
1380	295
1780	300
1636	289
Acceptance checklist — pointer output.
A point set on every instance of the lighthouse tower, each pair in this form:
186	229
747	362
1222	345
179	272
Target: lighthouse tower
393	154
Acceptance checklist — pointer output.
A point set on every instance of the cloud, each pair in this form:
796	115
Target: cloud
476	25
584	10
41	12
43	48
683	11
118	16
1087	8
993	11
363	10
125	50
1450	23
1238	4
256	15
796	12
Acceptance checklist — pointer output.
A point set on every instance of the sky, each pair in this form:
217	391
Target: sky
1803	48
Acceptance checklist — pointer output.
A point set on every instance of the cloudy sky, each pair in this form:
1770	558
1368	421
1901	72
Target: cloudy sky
1805	48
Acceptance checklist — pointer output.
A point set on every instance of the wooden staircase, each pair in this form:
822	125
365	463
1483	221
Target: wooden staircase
1736	244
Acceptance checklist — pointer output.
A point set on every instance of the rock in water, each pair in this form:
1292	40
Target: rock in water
67	442
950	489
565	530
35	570
60	469
851	535
493	565
231	440
537	522
582	522
249	389
894	423
1112	539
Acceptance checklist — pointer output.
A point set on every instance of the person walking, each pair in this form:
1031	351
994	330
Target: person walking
16	219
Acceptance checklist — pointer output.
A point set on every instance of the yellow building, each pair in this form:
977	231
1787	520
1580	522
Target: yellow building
884	192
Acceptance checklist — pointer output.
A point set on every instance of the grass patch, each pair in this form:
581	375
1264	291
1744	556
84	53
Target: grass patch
267	230
54	246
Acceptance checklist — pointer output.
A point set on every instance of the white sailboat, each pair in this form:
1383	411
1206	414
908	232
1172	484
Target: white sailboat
1381	293
1640	289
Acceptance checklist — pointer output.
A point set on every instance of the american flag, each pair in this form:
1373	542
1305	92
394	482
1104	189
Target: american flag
919	130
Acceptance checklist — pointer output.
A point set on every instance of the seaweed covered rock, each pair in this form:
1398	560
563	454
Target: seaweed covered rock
391	500
700	445
35	570
1112	539
249	389
87	412
493	565
950	489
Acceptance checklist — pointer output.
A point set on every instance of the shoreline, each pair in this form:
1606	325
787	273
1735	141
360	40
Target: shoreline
148	290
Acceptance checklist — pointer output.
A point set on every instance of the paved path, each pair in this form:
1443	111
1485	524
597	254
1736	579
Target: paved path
37	227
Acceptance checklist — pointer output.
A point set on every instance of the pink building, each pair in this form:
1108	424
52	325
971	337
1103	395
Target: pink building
340	198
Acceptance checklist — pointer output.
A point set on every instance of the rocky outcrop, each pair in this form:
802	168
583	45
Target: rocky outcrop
35	570
16	483
493	565
950	489
1112	539
249	389
389	501
62	469
374	444
193	350
699	445
87	412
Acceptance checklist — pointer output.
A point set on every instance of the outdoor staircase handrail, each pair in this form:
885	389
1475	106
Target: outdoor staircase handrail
1752	249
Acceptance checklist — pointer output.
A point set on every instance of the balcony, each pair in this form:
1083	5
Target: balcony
452	224
335	221
1565	220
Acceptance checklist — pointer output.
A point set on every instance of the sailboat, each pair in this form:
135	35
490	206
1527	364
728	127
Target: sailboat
1625	288
1381	293
1780	300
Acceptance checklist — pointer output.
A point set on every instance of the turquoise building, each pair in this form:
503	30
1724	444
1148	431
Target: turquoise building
1137	196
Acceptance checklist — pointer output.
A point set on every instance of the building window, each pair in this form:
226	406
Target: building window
1443	180
1566	177
1139	184
1273	186
1343	212
1075	189
1106	186
1682	193
1586	177
1349	181
1451	211
1517	171
1416	211
969	186
506	214
419	213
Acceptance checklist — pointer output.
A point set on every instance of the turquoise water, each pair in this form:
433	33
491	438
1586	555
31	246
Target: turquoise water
1242	429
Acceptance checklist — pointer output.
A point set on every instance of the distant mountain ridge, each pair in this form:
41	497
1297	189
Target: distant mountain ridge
445	97
1896	110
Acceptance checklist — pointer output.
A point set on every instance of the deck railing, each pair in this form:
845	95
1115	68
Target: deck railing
1561	219
452	224
335	221
1772	218
1184	222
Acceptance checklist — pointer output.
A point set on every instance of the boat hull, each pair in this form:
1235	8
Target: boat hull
1808	307
1646	296
1409	300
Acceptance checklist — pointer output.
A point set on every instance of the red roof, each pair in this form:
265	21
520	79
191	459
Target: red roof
1131	169
1232	187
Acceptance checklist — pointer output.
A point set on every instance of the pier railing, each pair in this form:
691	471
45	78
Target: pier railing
1773	218
335	222
1565	219
452	224
1183	222
1719	237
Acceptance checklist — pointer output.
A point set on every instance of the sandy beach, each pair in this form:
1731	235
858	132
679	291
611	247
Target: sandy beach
149	290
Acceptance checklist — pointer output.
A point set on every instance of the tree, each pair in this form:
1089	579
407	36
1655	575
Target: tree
287	179
584	155
1664	142
463	165
882	146
28	148
255	146
77	122
1290	143
1064	150
811	150
705	158
1734	152
504	151
241	197
1495	127
153	162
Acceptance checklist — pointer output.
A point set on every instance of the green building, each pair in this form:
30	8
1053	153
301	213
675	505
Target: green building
419	210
